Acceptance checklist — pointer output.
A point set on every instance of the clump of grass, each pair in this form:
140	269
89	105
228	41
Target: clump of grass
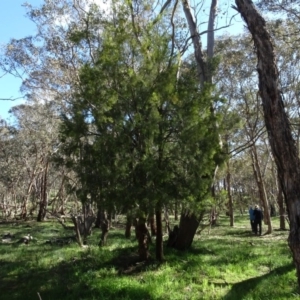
229	263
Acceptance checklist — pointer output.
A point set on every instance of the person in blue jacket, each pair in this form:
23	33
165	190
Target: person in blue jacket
258	216
251	216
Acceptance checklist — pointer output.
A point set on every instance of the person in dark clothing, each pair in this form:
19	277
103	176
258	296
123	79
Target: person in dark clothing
258	216
251	216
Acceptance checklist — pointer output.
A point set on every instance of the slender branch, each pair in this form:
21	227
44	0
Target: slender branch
248	144
173	32
186	46
11	99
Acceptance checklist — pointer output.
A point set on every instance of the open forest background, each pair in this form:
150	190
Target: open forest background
136	111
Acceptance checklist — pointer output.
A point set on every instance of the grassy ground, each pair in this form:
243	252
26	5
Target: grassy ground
229	263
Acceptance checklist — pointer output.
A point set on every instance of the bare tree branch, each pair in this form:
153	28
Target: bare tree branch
11	99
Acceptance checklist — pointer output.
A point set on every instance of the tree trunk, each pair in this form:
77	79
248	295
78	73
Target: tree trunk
195	36
135	224
44	195
210	29
166	218
278	127
83	227
111	216
128	226
143	239
25	198
230	202
104	232
87	227
159	235
181	238
104	226
151	221
77	230
272	210
281	208
98	219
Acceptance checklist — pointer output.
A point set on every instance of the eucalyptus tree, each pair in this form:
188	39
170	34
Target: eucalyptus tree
237	73
277	123
27	146
11	174
37	129
286	39
237	82
48	61
206	62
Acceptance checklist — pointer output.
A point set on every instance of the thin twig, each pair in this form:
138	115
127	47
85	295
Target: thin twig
11	99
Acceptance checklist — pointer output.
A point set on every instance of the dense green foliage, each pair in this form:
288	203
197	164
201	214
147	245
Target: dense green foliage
139	121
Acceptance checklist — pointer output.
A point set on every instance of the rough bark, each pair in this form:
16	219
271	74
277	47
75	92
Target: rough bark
281	207
181	237
279	131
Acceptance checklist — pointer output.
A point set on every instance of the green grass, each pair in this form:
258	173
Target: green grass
229	263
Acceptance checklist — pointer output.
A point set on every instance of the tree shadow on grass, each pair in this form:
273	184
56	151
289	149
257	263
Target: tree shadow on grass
244	288
242	233
84	277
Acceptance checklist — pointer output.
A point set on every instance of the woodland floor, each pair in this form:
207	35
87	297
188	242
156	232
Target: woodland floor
228	263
